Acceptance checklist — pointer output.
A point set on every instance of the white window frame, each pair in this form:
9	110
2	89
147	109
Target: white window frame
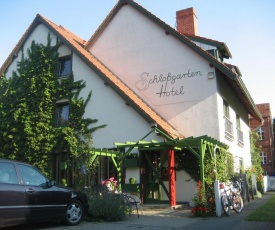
263	155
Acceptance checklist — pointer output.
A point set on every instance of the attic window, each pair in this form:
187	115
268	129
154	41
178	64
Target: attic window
65	66
212	52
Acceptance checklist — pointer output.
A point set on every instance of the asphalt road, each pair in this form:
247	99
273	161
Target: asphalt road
166	219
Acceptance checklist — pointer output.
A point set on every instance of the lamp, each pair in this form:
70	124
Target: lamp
211	75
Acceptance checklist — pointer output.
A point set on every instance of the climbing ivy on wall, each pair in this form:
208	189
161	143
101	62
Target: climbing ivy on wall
223	168
219	166
27	111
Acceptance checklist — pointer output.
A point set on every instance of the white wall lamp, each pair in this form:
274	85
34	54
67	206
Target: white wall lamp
211	75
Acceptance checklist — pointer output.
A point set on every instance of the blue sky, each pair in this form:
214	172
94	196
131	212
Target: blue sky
246	26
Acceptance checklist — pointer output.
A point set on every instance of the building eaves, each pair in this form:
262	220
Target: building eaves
222	47
243	94
234	68
247	99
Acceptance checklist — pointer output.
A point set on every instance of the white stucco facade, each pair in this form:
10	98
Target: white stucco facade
174	80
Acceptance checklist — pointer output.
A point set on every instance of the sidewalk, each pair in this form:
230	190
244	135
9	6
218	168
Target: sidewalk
236	220
166	219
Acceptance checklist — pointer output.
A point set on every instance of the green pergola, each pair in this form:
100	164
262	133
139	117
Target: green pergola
196	145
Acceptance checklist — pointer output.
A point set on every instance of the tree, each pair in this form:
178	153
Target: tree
256	162
27	111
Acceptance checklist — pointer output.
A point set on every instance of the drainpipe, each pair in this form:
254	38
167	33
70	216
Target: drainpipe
270	146
214	151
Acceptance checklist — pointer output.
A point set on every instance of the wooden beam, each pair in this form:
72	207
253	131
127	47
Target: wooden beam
172	178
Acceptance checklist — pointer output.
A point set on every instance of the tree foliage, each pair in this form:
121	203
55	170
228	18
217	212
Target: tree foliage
27	111
256	161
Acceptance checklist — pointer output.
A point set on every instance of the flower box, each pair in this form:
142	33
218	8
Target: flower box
131	162
131	187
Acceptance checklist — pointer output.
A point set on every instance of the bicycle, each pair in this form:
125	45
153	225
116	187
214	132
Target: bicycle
231	199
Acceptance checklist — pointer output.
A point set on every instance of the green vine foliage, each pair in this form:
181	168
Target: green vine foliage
27	112
223	169
220	167
256	160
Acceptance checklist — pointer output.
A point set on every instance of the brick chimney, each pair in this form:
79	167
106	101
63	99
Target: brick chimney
187	21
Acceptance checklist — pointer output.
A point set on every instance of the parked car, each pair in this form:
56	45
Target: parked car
27	195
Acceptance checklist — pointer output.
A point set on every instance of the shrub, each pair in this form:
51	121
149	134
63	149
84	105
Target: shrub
108	207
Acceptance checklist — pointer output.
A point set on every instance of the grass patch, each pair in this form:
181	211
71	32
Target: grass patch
265	213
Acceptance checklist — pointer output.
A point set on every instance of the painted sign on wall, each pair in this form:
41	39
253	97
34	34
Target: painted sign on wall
170	87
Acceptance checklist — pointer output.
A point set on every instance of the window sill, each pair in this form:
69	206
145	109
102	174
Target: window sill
229	136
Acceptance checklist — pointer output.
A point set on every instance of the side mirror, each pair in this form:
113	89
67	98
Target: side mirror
51	183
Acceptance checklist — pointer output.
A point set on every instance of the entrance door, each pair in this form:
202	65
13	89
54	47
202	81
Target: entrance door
151	178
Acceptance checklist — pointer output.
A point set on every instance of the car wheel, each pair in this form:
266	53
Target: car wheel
74	213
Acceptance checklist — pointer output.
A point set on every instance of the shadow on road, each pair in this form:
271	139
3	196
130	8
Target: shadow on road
35	226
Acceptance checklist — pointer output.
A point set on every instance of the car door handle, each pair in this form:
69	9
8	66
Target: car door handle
30	190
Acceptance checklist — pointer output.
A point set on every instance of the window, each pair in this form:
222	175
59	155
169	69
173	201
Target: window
212	52
264	158
241	165
65	66
30	176
215	53
8	173
238	121
229	134
226	109
239	131
62	115
261	134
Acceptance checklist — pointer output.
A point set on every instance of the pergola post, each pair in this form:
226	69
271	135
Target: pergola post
202	149
172	178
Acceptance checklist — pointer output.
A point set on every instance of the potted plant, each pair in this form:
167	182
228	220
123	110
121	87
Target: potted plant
110	185
132	180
